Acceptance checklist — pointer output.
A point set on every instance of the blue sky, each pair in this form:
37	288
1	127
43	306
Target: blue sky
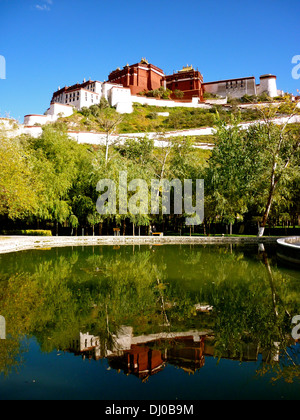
52	43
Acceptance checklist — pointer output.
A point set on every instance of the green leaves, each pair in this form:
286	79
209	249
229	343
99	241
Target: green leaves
19	186
250	169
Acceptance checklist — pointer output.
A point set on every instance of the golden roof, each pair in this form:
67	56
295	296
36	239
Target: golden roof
187	68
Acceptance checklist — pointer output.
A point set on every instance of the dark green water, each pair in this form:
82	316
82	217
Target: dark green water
149	323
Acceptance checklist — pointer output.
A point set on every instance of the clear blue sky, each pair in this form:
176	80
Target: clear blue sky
51	43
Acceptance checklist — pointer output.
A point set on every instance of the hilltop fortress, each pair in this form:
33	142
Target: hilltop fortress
134	83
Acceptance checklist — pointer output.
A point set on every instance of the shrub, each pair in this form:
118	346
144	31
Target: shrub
28	232
178	94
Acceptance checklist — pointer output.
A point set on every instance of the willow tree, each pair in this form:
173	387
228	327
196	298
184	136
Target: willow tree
19	186
280	156
250	169
56	165
229	173
109	120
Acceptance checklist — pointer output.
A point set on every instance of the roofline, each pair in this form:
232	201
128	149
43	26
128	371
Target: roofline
268	76
230	80
58	103
35	115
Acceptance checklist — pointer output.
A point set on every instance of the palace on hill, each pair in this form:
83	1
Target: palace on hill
132	84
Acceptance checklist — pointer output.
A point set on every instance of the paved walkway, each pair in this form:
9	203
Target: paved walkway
21	243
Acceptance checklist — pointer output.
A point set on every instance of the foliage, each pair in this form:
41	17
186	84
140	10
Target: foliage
19	185
60	293
49	182
29	232
251	170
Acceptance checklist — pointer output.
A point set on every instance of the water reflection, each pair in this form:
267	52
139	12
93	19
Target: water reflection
143	307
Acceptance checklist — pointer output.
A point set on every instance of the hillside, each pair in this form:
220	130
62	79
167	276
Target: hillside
146	118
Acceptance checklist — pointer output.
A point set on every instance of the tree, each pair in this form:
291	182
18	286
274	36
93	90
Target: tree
109	121
228	174
55	163
249	169
19	185
94	219
178	94
281	156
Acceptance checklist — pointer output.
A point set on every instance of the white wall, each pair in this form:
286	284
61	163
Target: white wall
56	109
31	120
121	98
7	123
168	103
52	114
268	85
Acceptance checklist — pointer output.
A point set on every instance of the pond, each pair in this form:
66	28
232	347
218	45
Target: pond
170	322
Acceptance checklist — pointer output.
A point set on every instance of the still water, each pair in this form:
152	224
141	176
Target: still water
149	323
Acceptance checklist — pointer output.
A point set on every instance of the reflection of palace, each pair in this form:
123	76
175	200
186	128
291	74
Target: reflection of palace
147	355
139	355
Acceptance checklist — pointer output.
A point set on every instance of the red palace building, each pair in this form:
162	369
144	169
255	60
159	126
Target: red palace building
143	77
138	77
188	80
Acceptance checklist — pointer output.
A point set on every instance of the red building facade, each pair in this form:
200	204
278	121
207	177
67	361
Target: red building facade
138	77
143	77
188	80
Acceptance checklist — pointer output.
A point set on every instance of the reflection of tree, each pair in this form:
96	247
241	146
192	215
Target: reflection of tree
288	366
19	304
10	355
61	292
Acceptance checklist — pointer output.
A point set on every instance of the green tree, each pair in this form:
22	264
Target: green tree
250	169
19	185
229	173
55	161
109	121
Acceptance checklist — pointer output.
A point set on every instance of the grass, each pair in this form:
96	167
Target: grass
146	119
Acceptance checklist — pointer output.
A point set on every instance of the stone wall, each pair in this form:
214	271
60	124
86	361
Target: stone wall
234	88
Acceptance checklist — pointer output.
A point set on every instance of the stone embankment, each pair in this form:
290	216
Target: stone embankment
289	249
21	243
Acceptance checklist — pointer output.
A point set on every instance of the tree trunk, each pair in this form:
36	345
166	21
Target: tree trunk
106	149
261	228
